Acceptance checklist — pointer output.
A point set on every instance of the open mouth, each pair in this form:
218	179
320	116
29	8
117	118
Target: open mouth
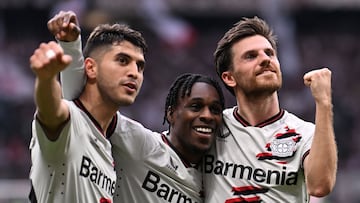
131	86
204	130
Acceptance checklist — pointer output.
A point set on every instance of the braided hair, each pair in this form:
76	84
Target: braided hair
181	87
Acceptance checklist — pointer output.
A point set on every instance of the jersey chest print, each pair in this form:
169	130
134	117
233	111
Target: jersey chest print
279	149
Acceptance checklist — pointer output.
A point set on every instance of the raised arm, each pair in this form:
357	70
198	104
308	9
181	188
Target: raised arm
321	164
65	28
52	112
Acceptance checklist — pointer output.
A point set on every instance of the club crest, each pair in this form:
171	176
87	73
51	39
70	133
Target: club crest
283	148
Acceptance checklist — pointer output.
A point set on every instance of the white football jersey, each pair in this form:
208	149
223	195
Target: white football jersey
73	78
149	169
260	163
77	167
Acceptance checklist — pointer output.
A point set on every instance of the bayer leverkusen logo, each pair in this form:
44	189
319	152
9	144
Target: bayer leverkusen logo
283	148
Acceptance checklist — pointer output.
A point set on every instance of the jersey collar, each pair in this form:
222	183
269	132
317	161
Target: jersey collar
186	163
269	121
111	127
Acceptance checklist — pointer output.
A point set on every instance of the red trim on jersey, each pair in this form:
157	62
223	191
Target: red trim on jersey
289	133
249	191
303	158
255	199
112	124
264	154
105	200
269	121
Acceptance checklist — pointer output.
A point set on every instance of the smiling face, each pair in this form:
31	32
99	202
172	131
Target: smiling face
255	67
195	120
120	73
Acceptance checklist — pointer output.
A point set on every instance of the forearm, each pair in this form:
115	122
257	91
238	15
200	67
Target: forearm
73	77
49	103
321	163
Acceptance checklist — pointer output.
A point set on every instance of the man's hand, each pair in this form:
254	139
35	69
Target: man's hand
48	60
64	26
319	82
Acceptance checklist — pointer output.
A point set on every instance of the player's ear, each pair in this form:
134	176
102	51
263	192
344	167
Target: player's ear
228	78
90	67
170	114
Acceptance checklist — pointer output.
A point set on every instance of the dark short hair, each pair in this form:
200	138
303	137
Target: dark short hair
182	85
246	27
108	34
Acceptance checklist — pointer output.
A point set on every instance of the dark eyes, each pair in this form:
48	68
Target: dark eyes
196	107
125	60
250	55
140	65
269	52
253	54
214	108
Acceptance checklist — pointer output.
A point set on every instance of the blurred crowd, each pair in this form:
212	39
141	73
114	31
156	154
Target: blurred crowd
179	42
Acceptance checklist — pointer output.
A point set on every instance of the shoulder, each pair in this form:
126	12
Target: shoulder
228	111
296	120
302	126
127	122
130	126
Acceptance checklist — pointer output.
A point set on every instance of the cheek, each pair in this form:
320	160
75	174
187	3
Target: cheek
176	120
141	80
183	121
277	64
243	69
241	76
218	120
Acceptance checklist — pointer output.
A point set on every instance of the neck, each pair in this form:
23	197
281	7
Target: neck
102	112
188	155
257	109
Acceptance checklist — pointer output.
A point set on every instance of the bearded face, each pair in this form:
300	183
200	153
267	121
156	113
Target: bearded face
256	68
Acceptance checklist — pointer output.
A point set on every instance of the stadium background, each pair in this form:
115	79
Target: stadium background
182	36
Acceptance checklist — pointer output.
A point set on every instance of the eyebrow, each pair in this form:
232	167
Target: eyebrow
255	51
201	99
140	61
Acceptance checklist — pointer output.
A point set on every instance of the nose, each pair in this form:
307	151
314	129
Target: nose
206	115
265	63
133	70
265	59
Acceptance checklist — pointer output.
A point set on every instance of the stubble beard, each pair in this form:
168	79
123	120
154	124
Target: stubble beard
115	97
261	88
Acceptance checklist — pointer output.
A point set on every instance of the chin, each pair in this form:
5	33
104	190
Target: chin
203	148
126	102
